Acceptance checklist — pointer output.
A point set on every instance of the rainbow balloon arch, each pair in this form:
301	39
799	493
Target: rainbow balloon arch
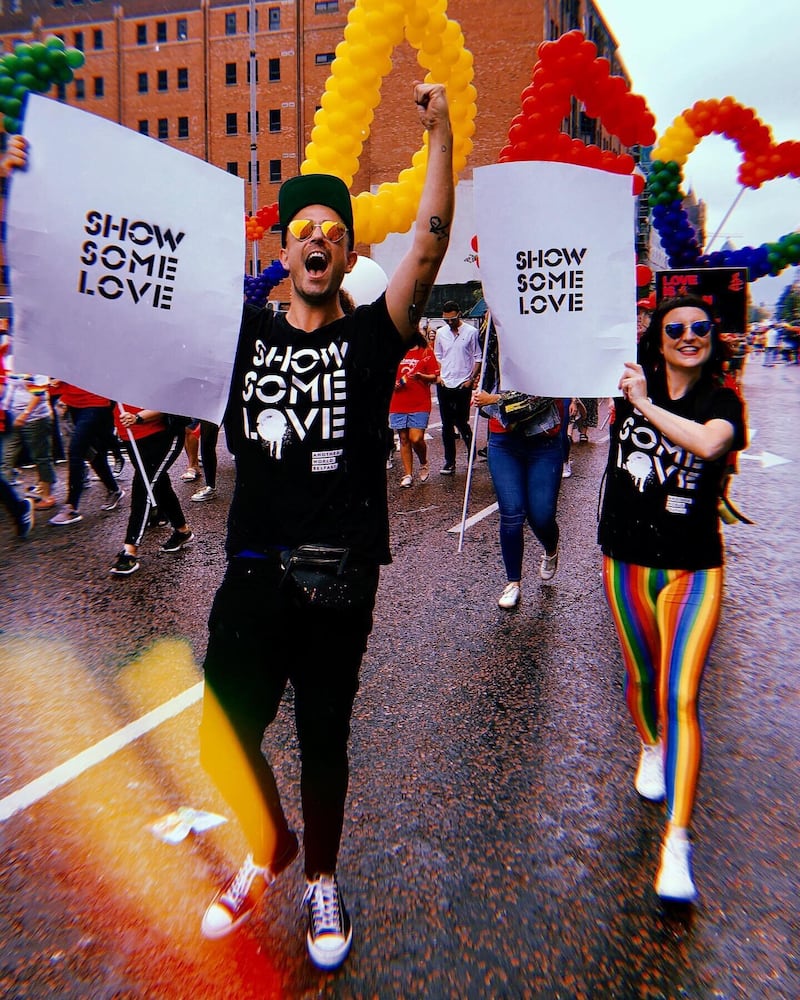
566	67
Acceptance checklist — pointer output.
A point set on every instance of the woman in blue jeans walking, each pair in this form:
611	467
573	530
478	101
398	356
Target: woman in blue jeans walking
525	463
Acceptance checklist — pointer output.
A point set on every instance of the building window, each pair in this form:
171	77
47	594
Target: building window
80	90
248	71
183	127
230	24
163	81
231	123
161	31
230	73
324	58
275	120
250	172
183	29
141	34
61	92
98	38
258	122
99	87
233	168
143	87
163	128
274	19
274	70
183	78
326	6
78	40
144	126
275	171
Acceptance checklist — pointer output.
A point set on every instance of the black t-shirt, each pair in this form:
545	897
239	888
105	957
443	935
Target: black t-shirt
306	423
660	501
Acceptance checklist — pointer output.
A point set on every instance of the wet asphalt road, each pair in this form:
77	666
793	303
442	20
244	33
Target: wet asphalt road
494	845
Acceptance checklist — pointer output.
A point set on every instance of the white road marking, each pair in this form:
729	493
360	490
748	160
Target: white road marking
70	769
767	459
486	512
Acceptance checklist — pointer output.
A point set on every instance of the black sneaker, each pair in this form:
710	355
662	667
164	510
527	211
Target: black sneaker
24	518
119	465
238	898
447	470
125	564
178	540
330	932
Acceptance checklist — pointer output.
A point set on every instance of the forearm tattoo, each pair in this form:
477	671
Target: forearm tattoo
439	228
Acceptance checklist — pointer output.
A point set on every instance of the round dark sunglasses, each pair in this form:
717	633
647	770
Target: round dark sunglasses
700	328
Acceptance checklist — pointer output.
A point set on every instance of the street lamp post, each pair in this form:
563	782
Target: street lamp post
253	132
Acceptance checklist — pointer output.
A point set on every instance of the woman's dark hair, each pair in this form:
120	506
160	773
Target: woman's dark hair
418	339
650	355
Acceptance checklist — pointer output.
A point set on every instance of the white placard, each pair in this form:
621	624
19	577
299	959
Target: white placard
556	249
127	264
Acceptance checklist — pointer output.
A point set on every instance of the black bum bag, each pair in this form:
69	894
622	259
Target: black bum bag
324	576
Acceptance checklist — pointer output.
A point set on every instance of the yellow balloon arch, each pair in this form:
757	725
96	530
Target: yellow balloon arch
353	92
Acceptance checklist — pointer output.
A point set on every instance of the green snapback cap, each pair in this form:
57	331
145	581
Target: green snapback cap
314	189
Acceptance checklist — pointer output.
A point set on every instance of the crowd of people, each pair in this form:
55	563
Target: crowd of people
308	526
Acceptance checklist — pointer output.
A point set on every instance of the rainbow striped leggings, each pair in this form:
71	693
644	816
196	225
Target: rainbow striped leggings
665	620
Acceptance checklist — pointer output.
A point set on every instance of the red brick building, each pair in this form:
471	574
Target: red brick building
179	71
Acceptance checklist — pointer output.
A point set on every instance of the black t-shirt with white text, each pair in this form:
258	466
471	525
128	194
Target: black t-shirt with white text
306	423
660	501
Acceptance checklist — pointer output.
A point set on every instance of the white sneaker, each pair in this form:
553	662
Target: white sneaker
406	481
549	565
566	472
207	493
510	596
674	877
649	780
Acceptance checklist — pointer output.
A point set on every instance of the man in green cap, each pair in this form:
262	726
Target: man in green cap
308	530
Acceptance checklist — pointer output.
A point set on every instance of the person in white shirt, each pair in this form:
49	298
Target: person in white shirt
458	351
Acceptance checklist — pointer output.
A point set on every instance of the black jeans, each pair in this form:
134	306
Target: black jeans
258	640
454	411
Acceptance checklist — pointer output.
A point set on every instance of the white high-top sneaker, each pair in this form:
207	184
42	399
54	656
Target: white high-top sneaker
674	878
649	780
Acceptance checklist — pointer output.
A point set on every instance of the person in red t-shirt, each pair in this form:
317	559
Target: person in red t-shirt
410	408
158	447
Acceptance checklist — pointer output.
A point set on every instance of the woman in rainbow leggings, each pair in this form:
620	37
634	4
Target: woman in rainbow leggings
662	553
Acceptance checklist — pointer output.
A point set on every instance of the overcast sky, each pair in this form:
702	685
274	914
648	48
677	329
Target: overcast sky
683	51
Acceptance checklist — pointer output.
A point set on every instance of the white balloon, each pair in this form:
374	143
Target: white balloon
366	282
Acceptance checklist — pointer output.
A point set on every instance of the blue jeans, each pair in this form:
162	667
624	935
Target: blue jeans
526	473
36	435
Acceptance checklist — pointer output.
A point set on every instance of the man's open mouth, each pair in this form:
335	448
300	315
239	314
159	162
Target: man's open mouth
316	262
